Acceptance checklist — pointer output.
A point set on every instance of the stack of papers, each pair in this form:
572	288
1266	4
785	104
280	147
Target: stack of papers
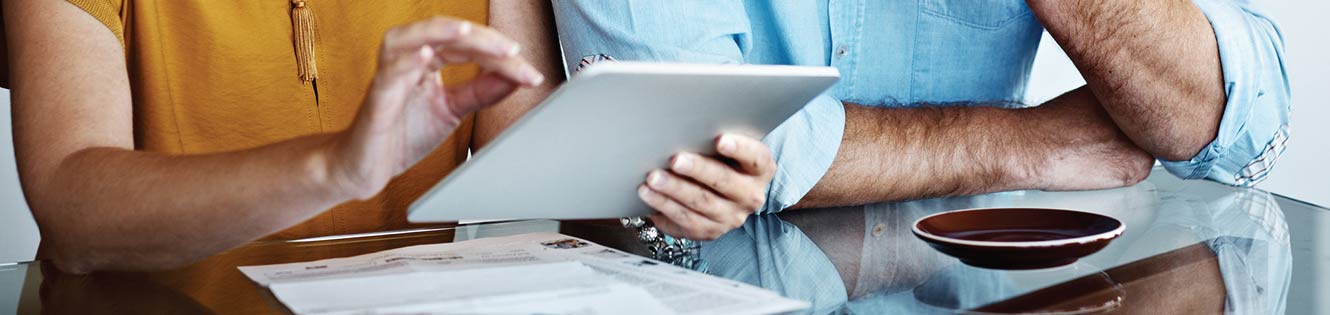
522	274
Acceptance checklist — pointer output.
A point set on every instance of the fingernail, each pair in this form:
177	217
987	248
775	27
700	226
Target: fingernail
534	77
512	50
726	144
645	194
682	162
464	28
426	52
656	179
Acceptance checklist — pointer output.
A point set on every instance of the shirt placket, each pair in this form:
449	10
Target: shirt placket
846	23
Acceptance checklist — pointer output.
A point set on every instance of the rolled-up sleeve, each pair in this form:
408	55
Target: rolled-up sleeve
1254	128
702	32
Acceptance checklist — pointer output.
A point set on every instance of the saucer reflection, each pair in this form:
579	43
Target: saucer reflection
963	289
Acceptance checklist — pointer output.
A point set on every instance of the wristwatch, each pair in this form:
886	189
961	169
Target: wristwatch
680	252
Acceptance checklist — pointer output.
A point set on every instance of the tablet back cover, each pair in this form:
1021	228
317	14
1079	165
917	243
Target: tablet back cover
582	153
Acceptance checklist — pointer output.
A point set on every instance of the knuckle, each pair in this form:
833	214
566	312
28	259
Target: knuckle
725	177
755	164
755	200
717	181
705	199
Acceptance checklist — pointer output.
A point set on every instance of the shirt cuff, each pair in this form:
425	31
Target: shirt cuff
804	147
1254	127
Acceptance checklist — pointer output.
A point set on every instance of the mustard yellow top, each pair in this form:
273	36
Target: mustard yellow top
224	75
211	76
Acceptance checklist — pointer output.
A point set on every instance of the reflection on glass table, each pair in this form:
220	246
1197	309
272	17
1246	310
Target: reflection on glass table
1190	247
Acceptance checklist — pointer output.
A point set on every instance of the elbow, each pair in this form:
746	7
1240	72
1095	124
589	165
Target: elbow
76	258
1182	145
72	256
1189	133
80	242
73	264
78	248
1134	171
1186	147
85	263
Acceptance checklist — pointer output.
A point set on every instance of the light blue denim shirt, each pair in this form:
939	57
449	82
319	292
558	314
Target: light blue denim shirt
907	53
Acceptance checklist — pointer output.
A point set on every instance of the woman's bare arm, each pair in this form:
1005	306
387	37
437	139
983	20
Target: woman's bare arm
102	205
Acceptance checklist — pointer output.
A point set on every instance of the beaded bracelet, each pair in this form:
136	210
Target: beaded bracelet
680	252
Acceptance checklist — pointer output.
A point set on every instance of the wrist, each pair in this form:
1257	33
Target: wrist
334	170
1027	157
1024	171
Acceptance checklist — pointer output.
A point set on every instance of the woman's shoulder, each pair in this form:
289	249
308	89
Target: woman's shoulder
110	12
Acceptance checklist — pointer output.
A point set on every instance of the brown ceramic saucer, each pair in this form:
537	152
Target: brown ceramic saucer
1017	238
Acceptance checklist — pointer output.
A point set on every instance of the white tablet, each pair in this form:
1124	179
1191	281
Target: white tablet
582	153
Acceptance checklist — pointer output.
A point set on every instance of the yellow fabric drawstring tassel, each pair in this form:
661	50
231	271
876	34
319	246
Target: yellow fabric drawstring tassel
302	25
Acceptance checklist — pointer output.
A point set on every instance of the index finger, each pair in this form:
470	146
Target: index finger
442	31
429	32
753	156
455	41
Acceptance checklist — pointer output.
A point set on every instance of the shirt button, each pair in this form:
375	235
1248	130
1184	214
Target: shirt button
842	51
877	229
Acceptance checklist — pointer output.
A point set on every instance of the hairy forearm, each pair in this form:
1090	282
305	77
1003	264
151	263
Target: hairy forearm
911	153
891	154
1153	65
113	208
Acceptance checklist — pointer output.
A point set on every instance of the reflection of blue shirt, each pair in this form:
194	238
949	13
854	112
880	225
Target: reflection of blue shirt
898	53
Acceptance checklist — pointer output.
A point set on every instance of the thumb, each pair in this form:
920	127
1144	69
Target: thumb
483	91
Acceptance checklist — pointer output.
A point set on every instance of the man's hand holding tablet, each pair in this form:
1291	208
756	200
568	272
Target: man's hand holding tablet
702	197
677	142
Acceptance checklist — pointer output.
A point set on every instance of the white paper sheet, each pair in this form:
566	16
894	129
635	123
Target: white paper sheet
521	274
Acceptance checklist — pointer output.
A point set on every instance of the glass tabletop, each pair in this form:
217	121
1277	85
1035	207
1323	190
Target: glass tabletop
1189	247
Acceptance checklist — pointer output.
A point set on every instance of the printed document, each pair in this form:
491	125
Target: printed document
545	273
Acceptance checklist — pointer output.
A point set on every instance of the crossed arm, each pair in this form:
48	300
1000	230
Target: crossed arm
1154	90
1153	65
